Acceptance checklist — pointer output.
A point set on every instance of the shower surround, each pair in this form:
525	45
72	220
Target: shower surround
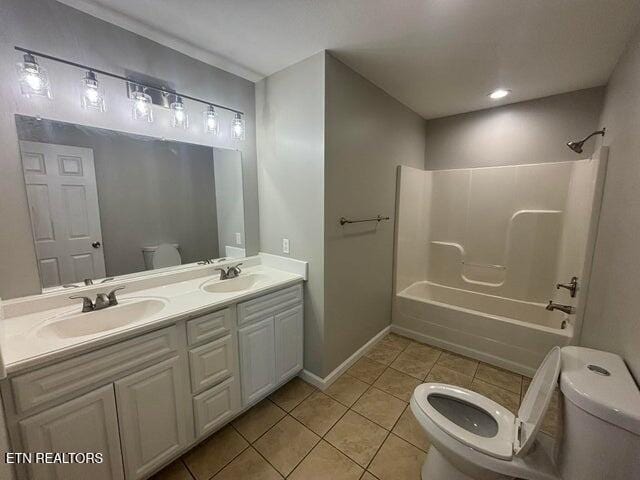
479	252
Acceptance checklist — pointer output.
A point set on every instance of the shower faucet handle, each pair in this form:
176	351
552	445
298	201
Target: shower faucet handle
571	286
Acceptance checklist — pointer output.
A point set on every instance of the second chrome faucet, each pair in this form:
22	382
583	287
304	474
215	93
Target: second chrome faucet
231	272
103	300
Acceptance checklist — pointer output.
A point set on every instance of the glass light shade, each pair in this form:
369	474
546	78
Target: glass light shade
142	106
33	79
237	127
92	93
211	121
179	117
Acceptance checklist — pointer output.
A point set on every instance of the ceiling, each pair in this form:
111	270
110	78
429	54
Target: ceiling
438	57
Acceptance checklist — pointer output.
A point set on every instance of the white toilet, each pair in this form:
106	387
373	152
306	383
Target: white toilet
473	437
161	256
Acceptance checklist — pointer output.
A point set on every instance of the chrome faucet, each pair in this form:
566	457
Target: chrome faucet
568	309
230	272
572	286
103	300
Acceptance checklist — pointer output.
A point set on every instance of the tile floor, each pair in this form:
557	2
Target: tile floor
360	428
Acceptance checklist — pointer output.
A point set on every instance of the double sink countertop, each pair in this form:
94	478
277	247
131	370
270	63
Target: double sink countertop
33	338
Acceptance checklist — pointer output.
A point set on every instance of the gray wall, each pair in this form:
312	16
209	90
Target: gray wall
534	131
290	135
149	192
50	27
612	317
229	201
367	135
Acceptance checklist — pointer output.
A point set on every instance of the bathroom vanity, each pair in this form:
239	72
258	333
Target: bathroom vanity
143	381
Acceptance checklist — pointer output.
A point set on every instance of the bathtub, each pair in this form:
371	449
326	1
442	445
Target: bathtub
512	334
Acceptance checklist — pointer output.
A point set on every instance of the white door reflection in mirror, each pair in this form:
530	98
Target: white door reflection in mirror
65	217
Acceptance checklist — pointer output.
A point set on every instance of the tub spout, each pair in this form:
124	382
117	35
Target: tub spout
568	309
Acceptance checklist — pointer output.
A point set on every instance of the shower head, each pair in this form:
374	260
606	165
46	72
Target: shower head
577	146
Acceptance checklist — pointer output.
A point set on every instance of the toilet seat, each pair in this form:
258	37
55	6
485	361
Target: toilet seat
453	423
499	445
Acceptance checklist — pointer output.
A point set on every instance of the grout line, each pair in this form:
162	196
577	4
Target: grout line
184	464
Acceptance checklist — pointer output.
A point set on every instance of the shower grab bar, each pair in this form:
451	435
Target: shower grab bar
378	219
486	265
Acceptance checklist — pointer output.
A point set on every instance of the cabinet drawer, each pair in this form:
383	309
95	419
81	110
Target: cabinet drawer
215	406
209	327
268	305
64	378
211	363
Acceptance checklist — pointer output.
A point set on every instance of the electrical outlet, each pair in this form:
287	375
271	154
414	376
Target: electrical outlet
285	245
238	238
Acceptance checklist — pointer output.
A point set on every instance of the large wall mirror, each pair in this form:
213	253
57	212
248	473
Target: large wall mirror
105	203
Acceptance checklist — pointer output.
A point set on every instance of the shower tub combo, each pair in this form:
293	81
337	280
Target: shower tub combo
513	334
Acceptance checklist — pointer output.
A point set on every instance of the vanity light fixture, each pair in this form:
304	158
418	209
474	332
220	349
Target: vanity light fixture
499	93
92	93
211	120
179	117
238	127
142	105
33	78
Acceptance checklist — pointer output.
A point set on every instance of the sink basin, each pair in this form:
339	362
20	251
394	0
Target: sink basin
238	284
90	323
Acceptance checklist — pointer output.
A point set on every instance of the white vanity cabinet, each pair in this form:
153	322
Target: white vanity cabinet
270	341
143	401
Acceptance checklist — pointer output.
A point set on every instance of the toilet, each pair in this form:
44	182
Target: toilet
475	438
161	256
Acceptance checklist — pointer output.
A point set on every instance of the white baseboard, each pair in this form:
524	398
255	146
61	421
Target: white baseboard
324	383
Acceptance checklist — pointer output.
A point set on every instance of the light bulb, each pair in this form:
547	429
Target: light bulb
237	127
499	93
92	94
179	117
142	106
34	80
211	120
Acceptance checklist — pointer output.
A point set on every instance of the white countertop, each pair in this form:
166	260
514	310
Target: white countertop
23	345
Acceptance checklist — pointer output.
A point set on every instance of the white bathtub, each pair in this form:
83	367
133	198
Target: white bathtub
509	333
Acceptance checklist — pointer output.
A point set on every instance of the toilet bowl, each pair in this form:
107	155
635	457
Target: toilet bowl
161	256
475	438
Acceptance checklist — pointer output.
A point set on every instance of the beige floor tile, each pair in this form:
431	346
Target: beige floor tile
452	361
499	395
397	384
526	381
440	374
357	437
210	456
175	471
424	352
499	377
397	460
292	394
395	341
410	430
366	370
326	463
258	420
248	466
346	389
384	354
412	365
286	444
368	476
379	407
319	412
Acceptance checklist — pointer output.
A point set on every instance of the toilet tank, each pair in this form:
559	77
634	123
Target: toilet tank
601	417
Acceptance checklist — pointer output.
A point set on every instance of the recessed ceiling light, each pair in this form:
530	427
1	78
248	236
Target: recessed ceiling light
499	93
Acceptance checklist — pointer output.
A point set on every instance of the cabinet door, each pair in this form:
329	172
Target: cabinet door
216	406
257	360
87	424
152	413
289	343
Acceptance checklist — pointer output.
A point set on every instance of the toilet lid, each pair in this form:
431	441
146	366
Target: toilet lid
166	255
536	402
